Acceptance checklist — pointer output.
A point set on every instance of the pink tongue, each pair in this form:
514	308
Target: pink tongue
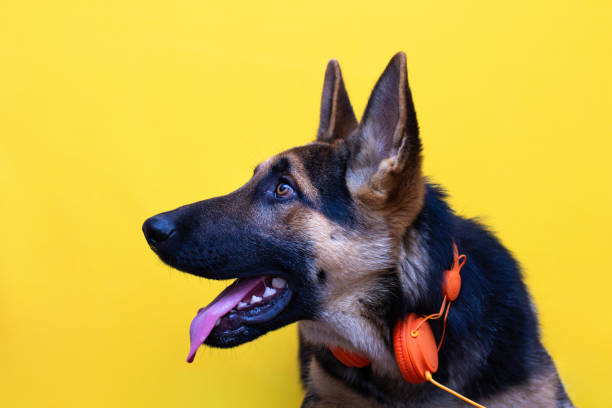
205	320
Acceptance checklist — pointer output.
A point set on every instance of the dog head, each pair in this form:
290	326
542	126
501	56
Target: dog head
317	232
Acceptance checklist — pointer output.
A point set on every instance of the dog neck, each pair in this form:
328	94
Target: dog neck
364	324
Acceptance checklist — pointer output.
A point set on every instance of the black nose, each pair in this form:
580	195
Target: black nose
158	229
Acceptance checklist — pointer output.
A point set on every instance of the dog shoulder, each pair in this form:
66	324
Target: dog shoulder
541	390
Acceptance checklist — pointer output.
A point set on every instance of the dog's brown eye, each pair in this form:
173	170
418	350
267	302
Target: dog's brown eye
283	190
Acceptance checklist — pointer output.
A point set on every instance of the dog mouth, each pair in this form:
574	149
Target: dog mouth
246	302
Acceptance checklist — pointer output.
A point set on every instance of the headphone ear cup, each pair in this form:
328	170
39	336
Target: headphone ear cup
402	355
451	285
349	358
416	351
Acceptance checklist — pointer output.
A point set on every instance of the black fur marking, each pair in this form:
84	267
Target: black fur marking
220	239
281	166
326	168
321	276
310	399
562	397
383	315
305	355
493	313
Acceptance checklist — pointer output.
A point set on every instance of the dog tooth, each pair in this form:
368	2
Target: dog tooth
255	299
269	292
242	305
279	283
218	322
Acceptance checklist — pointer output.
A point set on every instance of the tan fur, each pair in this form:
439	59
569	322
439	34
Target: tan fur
261	169
329	133
332	393
539	392
395	195
352	263
334	103
354	259
392	186
300	176
388	189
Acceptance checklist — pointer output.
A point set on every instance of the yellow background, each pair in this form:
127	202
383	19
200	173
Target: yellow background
112	111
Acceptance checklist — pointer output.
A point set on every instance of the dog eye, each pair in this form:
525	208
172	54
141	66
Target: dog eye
283	190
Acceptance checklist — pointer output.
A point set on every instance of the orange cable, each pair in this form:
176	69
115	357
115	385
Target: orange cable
444	326
431	316
463	258
456	394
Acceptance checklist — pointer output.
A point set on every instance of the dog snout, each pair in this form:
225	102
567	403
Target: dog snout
158	229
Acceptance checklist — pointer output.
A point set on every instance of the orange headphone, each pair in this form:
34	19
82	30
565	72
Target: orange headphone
414	344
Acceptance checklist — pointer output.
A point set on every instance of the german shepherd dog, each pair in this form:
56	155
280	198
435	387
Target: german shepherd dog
346	236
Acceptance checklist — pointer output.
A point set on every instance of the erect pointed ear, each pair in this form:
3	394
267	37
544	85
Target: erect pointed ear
385	166
337	117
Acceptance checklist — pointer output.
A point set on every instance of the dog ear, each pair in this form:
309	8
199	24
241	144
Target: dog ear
385	165
337	117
